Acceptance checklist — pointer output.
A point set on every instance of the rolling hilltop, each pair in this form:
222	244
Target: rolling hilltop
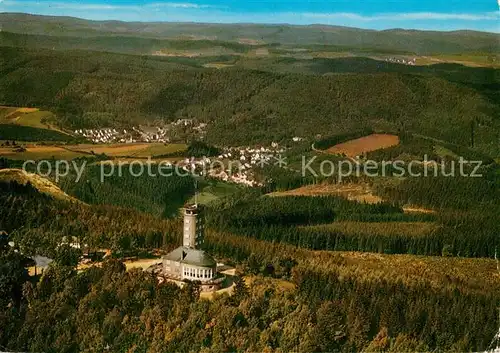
418	42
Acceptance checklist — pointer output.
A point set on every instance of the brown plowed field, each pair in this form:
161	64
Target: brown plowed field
364	144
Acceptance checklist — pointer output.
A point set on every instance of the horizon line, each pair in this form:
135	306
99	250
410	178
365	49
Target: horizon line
318	24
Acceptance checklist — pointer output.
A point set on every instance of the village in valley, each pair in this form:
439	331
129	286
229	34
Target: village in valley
164	133
234	164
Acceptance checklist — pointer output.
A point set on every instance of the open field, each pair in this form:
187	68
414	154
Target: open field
159	149
413	229
471	60
40	152
32	117
125	161
259	281
134	150
141	263
364	144
195	53
112	150
5	112
35	119
354	192
217	65
213	192
360	192
444	152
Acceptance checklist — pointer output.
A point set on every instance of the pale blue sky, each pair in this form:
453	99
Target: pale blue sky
375	14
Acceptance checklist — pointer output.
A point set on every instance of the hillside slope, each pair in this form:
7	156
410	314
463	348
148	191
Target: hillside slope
41	184
419	42
38	215
248	106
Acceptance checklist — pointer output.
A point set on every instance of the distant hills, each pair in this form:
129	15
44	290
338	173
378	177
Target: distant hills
399	40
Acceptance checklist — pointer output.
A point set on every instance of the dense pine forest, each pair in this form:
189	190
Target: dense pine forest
159	196
349	301
276	219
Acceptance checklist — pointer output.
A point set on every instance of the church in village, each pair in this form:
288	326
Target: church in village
189	261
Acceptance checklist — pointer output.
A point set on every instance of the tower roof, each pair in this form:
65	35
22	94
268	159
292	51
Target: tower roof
193	208
190	256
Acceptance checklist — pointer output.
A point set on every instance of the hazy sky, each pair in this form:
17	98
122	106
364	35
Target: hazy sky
376	14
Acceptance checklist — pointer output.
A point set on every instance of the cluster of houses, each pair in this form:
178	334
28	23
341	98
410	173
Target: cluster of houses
152	133
403	61
135	134
253	156
246	177
237	164
191	124
142	133
234	164
223	169
105	135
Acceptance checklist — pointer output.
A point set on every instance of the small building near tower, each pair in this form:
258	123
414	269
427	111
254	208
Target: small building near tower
190	261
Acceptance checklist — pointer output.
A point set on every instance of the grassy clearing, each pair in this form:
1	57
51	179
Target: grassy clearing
265	282
133	150
6	111
141	263
217	65
16	132
213	192
112	150
443	152
125	161
414	229
471	60
360	192
35	119
30	117
354	192
40	152
159	149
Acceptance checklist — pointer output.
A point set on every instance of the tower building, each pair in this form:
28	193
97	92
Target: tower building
189	261
193	227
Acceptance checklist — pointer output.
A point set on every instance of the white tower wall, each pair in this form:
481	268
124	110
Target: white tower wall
193	227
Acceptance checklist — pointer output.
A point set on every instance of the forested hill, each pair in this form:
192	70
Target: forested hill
245	106
419	42
39	222
329	301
